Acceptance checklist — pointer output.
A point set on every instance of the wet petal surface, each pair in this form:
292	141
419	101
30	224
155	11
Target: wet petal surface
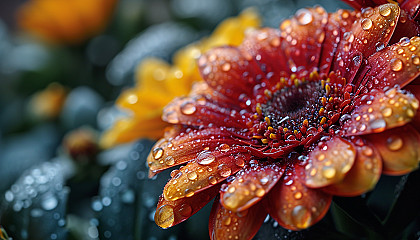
226	224
295	206
250	186
399	148
328	163
377	111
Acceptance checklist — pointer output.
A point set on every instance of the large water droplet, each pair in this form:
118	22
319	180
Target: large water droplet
386	112
394	143
224	170
385	10
396	64
188	108
378	125
226	67
157	153
301	217
304	16
366	24
164	216
329	172
205	158
192	176
49	202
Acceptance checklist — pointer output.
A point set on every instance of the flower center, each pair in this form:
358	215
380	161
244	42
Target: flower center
298	112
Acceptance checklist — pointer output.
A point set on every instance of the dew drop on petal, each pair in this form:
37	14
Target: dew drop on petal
188	108
328	172
227	220
157	153
385	10
416	60
260	192
396	64
224	147
164	216
185	210
394	143
212	180
301	217
366	24
226	67
378	125
169	161
189	192
224	170
192	176
297	195
205	158
387	112
304	16
172	117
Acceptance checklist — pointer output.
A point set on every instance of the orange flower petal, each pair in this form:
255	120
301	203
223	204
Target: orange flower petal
170	213
339	23
415	89
302	38
250	186
206	170
328	163
372	30
225	224
399	148
362	177
295	206
170	151
229	72
396	64
198	111
377	111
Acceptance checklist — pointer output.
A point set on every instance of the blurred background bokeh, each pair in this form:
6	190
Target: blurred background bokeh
63	64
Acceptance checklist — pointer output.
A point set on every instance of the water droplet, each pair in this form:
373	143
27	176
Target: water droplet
106	201
189	192
394	143
226	67
185	210
366	24
224	170
205	158
297	195
49	202
157	153
212	180
172	117
304	16
386	112
165	216
367	151
379	46
301	217
9	196
416	60
224	147
404	41
227	220
128	196
396	64
192	176
188	108
378	125
169	160
328	172
385	10
260	192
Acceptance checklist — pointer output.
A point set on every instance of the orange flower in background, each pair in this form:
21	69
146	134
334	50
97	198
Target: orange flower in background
48	103
289	119
158	83
65	21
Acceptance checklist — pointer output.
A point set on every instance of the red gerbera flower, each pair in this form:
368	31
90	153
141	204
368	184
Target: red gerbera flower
289	119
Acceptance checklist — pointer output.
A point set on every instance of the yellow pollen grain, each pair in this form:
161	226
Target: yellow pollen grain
322	83
273	136
295	132
282	80
323	120
330	99
297	82
321	111
305	122
267	93
265	141
324	101
327	89
293	76
270	128
258	108
285	129
267	119
257	137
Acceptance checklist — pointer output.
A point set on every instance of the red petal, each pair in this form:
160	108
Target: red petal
206	170
339	23
170	213
362	177
186	146
328	163
198	111
250	186
358	4
406	27
412	7
399	148
373	29
415	89
225	224
396	64
295	206
302	38
378	111
264	47
229	72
